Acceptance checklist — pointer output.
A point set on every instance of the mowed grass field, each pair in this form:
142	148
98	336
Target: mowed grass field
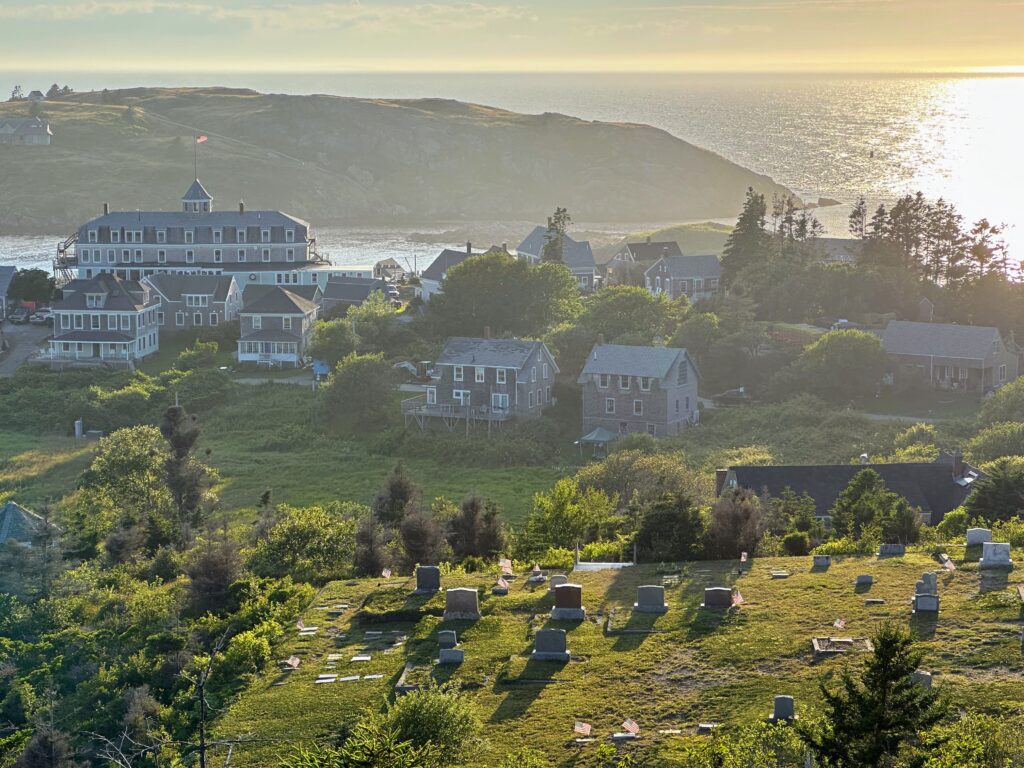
693	666
37	470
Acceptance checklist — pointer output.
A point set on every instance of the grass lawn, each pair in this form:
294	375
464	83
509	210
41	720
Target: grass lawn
929	404
35	470
697	666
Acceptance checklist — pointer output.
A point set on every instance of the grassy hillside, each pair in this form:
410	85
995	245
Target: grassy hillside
693	666
337	160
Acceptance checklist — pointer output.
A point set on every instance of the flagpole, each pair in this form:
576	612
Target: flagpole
195	156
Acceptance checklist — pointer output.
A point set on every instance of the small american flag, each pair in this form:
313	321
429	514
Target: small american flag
949	565
502	584
630	726
386	573
300	624
293	662
743	557
536	567
506	565
839	623
202	139
737	599
583	729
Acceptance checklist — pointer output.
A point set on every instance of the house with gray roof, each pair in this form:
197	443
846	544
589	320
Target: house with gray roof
275	328
485	379
577	255
639	389
341	294
956	358
255	247
25	132
432	277
7	273
104	320
19	525
696	277
195	301
629	263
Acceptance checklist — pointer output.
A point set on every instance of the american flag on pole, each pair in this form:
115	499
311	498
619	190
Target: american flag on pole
502	584
630	726
839	623
300	624
202	139
737	598
583	729
743	557
536	567
386	573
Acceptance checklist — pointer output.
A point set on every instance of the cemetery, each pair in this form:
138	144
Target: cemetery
682	664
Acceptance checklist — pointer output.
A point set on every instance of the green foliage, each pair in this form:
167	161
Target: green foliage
476	529
1000	495
638	478
759	745
865	502
748	241
357	393
311	544
735	525
333	341
839	365
606	551
569	514
529	442
35	285
954	524
370	745
524	757
796	543
916	434
376	326
866	545
631	314
442	717
1004	438
202	355
697	333
976	741
1007	404
671	529
870	720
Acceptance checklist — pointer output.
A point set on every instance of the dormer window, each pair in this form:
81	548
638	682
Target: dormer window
94	300
161	235
93	236
115	236
995	345
218	236
264	235
240	234
190	236
289	235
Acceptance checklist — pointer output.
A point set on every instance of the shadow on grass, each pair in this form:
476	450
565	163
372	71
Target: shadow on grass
523	690
923	624
639	626
993	580
861	589
819	568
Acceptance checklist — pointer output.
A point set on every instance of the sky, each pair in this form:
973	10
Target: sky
513	35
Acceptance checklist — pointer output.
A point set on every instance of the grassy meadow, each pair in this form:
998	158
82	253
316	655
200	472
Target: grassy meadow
688	666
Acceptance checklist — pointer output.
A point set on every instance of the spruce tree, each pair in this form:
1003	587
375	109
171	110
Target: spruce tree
748	241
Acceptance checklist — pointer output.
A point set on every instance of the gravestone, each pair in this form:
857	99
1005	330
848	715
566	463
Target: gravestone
926	603
568	603
451	656
650	599
822	561
926	593
555	580
874	601
977	536
865	580
995	555
784	710
922	678
892	550
550	645
428	580
461	603
447	638
930	583
499	590
717	597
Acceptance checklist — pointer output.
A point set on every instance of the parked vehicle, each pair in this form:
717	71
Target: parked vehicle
19	316
42	317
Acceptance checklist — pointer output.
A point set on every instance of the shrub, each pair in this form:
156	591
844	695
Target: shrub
438	716
953	524
847	545
558	559
1003	439
671	529
313	544
604	552
1007	404
202	355
796	543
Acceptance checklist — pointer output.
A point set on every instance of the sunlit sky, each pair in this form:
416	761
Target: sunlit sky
514	35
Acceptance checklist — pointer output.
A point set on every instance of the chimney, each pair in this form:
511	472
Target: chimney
106	209
958	464
648	239
600	339
864	458
720	476
487	331
469	248
241	206
504	247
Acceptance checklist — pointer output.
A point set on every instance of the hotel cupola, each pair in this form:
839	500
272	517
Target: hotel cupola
197	199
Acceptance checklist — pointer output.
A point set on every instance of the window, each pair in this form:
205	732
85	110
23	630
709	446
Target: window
241	254
214	319
687	403
126	256
266	254
190	257
93	235
206	207
544	372
603	380
78	322
638	407
609	405
111	256
457	373
645	383
126	323
161	235
159	318
94	322
264	235
1002	373
499	401
547	395
540	392
499	376
533	373
995	345
179	318
111	322
240	235
190	236
115	236
478	375
138	255
431	395
947	371
623	382
461	396
289	255
684	370
257	323
218	255
531	398
65	321
161	257
652	429
963	374
197	318
286	324
289	235
218	236
85	257
196	300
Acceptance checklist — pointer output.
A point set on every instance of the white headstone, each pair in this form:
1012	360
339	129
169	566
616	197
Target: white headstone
995	555
650	599
977	536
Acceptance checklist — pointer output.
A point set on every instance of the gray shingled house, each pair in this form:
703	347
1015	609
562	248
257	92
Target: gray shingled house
195	301
695	277
933	487
963	358
105	321
25	131
341	294
19	525
275	328
639	389
577	255
486	379
6	278
629	263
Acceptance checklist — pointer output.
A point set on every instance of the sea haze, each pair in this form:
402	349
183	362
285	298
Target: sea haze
837	136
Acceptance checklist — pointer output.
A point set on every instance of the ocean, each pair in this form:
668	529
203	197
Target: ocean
832	136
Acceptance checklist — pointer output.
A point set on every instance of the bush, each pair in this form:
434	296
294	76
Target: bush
847	545
604	552
953	525
671	529
1007	404
202	355
312	544
438	716
796	543
1003	439
558	559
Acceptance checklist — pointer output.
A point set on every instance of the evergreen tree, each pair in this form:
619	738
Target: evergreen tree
187	479
422	539
1000	495
868	721
371	547
748	241
554	238
859	220
398	492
